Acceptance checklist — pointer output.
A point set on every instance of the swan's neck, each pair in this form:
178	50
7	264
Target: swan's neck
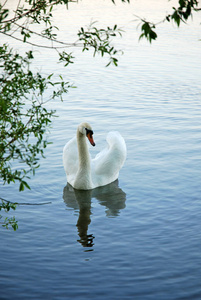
83	178
83	152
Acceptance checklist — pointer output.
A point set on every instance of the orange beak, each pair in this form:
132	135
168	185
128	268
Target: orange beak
90	138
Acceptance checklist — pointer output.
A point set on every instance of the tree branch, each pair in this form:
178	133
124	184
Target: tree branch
43	203
43	46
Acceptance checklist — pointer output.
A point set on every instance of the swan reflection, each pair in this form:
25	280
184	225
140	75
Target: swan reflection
110	196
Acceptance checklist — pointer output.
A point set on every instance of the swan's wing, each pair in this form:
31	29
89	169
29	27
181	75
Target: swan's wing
107	164
70	159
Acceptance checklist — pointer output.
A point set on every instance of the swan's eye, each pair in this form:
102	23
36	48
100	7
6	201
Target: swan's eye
89	132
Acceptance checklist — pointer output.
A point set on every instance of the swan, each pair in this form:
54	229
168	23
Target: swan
84	173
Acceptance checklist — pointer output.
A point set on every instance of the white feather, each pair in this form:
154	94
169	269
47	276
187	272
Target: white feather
103	169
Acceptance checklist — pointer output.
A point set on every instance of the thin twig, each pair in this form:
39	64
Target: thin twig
2	199
4	3
45	37
36	45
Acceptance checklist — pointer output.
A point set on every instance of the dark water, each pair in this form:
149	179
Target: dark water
140	237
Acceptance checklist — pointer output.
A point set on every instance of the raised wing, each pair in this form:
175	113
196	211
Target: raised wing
107	164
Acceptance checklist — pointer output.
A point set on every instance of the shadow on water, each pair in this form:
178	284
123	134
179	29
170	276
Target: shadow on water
110	196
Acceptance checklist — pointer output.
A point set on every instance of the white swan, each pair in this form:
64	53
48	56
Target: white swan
84	173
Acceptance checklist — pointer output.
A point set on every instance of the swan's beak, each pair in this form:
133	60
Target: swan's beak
90	138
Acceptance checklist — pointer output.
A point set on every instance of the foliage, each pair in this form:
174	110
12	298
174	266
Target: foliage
98	39
24	119
181	14
29	12
22	128
147	31
6	206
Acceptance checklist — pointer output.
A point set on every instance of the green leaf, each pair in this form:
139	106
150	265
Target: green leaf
26	184
21	188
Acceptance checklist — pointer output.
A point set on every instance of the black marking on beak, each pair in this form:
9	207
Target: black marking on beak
89	132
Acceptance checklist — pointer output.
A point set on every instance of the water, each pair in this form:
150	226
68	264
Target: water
138	238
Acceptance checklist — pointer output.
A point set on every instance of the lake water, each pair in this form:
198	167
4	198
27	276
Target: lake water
140	237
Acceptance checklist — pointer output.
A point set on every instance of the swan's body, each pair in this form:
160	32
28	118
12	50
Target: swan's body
84	173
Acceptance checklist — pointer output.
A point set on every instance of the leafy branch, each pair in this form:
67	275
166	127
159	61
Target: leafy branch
7	206
180	14
41	12
22	130
99	41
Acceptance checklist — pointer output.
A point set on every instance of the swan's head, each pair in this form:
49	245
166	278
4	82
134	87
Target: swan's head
86	129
